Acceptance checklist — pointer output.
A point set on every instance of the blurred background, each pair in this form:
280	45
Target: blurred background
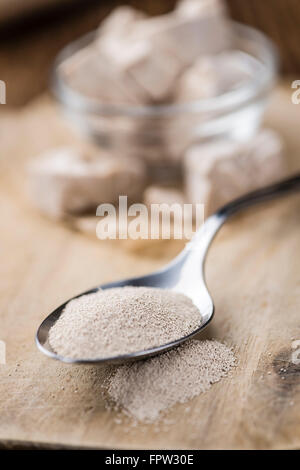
33	31
215	144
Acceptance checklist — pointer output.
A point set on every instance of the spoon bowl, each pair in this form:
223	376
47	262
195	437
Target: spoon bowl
185	274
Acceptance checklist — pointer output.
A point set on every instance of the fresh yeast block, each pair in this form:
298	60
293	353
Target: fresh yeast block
64	181
193	29
218	172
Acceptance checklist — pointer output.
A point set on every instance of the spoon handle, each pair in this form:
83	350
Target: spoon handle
204	236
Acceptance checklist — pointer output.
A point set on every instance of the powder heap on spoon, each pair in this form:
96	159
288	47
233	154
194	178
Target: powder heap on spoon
122	320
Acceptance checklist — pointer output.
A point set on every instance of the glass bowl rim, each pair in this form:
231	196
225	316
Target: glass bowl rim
220	104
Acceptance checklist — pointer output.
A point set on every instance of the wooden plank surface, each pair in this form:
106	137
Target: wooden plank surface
254	276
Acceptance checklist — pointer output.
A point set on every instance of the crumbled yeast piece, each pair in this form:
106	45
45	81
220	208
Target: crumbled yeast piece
152	69
156	194
92	73
193	29
65	181
119	21
197	82
210	76
145	56
218	172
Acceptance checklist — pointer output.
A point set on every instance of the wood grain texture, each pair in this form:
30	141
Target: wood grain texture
254	276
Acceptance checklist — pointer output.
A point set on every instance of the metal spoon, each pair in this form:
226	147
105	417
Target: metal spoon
184	274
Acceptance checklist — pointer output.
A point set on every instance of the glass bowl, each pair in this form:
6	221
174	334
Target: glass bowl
160	134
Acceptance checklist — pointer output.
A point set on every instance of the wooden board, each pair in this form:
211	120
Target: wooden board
253	273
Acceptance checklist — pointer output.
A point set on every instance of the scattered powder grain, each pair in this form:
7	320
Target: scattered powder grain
122	320
143	390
